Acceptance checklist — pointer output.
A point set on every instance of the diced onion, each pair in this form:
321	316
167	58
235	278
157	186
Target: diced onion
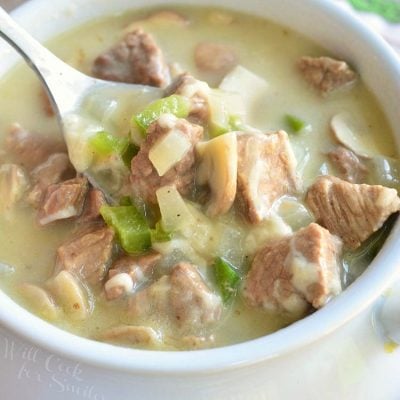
174	212
223	106
294	213
169	150
249	85
78	130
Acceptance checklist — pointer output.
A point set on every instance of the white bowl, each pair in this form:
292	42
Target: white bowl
331	27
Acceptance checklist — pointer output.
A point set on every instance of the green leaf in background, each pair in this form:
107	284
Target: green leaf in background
388	9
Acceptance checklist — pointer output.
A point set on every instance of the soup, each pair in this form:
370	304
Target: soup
255	190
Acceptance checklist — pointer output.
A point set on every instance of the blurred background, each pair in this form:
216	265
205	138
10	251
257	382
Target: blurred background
10	4
381	15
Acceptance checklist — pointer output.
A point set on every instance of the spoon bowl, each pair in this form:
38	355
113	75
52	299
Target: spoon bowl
70	91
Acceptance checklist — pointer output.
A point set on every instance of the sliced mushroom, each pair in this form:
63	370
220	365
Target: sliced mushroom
40	300
218	169
170	149
348	137
136	335
70	295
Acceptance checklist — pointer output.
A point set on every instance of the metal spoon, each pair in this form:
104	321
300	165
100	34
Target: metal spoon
67	88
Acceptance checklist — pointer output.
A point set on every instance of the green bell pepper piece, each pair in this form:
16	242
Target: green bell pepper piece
159	234
105	144
130	226
226	277
295	124
175	104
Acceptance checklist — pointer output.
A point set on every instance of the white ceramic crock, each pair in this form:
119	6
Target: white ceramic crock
226	367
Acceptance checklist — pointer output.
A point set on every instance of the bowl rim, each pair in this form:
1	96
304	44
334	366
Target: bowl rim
360	294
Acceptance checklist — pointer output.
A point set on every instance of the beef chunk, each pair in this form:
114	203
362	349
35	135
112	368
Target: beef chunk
135	59
351	211
314	266
326	74
183	296
192	301
55	169
88	254
30	149
13	184
145	179
94	200
195	90
266	171
63	200
348	164
129	334
128	273
214	57
295	272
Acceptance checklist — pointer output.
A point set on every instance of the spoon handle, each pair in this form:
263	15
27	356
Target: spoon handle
50	69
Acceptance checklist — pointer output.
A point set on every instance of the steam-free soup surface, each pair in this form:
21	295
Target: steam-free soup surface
206	285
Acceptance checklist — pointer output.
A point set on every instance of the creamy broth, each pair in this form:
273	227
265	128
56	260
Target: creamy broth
268	50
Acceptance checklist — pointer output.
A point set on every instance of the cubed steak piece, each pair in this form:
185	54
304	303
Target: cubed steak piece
63	200
88	254
54	170
31	149
91	210
194	304
348	164
266	172
135	59
183	296
127	273
295	273
195	90
215	57
326	74
145	179
351	211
